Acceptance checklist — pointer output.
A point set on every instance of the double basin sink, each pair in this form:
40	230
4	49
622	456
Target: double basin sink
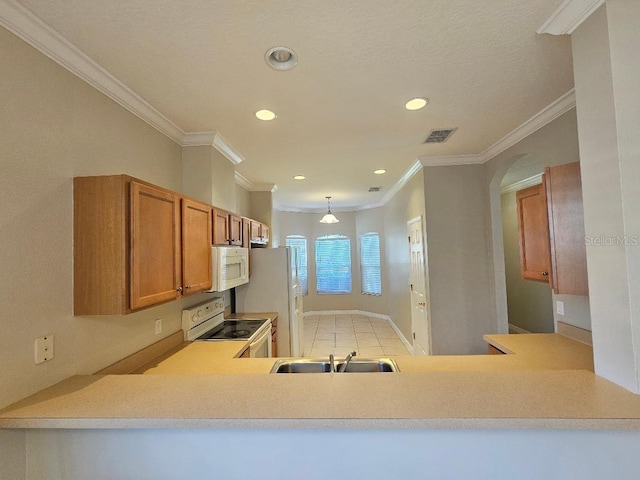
355	365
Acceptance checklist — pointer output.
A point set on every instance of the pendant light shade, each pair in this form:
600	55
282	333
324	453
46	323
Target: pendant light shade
329	217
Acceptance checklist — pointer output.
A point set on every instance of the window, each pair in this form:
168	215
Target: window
301	243
370	263
333	264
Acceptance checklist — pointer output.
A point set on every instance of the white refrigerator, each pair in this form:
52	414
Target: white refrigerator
274	287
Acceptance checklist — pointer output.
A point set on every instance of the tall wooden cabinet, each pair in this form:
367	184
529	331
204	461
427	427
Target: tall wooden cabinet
563	188
533	233
136	245
551	231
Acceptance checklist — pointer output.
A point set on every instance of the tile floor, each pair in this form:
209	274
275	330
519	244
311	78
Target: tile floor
341	334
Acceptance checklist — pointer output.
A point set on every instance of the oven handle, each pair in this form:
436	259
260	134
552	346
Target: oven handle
265	337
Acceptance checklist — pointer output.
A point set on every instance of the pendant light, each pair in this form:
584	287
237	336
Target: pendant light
329	217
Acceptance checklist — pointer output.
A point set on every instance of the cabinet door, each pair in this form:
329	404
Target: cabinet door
255	231
235	227
246	232
196	246
220	227
155	246
566	229
533	233
264	233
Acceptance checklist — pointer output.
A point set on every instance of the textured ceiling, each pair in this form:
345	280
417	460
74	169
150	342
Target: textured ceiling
340	110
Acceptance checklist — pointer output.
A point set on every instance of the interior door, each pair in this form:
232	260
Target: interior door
418	285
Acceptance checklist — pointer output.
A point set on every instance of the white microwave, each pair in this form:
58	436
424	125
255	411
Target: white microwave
230	267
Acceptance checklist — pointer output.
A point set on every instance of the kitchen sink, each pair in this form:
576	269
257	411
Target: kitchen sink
368	365
356	365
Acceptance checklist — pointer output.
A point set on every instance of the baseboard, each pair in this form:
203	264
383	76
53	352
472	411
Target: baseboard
402	338
515	329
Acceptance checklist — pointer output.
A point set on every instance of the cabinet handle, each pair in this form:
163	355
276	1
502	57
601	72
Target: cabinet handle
544	274
188	287
179	289
422	304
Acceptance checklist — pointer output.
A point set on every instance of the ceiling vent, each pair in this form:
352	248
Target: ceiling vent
374	189
440	135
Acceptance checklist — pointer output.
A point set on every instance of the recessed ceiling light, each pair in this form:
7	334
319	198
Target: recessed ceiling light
265	115
299	177
380	171
416	103
281	58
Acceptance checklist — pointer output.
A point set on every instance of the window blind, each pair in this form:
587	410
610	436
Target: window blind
370	263
333	264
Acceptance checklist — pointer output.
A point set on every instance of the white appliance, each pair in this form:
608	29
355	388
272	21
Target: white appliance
275	287
230	267
206	322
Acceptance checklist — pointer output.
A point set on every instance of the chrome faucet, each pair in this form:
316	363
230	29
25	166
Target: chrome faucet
332	363
346	361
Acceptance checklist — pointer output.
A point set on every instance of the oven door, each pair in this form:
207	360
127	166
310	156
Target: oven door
260	347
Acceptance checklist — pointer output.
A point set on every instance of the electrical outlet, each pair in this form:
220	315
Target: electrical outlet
158	326
559	307
44	349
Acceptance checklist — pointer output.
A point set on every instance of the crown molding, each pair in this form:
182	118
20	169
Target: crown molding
264	187
526	183
215	140
198	139
447	160
227	150
24	24
243	182
560	106
569	16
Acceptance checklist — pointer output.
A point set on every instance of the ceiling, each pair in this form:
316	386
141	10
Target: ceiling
200	63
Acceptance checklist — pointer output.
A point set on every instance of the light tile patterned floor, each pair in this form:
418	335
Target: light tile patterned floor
341	334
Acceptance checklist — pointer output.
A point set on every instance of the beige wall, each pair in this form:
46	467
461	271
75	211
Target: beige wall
529	303
406	205
243	202
208	176
459	274
55	127
606	69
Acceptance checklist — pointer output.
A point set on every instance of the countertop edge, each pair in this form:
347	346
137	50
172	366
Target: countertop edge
618	424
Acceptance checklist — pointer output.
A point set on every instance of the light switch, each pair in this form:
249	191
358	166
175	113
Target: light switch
559	307
44	349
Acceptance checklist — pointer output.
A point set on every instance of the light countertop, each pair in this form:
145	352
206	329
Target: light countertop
545	382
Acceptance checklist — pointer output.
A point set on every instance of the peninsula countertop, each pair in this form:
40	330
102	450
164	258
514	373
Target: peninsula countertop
545	381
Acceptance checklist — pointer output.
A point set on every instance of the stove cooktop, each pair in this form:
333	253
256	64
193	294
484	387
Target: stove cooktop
234	330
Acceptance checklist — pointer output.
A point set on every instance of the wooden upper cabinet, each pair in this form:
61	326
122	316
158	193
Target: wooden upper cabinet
221	230
255	231
136	245
235	229
155	246
533	233
563	188
196	246
259	233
